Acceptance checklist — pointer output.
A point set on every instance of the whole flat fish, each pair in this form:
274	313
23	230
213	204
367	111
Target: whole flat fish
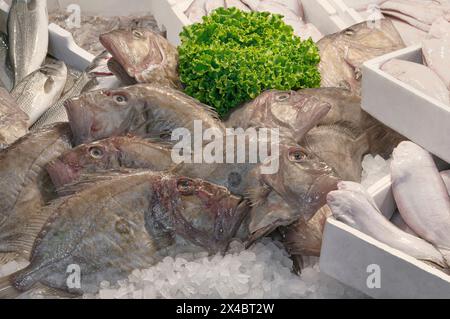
13	121
421	195
356	209
28	36
122	223
25	185
40	90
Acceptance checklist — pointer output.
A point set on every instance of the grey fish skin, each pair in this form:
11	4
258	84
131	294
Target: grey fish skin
128	222
343	53
144	55
28	36
421	195
13	121
147	110
57	112
122	152
40	90
293	113
25	185
6	73
355	208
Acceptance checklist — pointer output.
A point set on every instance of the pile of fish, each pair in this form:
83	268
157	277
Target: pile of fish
97	187
432	77
292	11
414	19
422	227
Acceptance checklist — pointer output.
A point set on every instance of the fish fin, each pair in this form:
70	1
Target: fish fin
383	140
6	258
258	195
87	180
7	290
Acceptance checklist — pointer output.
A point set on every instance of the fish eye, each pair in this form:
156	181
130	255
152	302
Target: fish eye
138	34
185	186
282	97
120	99
96	152
297	155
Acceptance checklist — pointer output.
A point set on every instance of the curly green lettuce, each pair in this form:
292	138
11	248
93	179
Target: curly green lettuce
233	56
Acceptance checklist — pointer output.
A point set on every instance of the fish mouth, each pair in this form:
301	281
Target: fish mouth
80	120
109	42
61	174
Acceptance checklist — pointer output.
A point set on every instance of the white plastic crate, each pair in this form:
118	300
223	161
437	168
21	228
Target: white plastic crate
419	117
348	255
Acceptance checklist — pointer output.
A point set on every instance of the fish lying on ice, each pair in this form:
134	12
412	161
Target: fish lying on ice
421	195
355	208
418	76
13	121
40	90
144	55
126	222
25	185
28	36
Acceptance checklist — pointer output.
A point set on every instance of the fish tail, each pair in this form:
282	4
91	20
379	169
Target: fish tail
7	290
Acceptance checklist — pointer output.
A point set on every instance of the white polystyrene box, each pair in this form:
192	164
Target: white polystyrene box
417	116
347	255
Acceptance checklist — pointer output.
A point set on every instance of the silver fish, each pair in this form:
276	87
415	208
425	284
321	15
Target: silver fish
40	90
57	112
354	207
421	195
28	36
13	121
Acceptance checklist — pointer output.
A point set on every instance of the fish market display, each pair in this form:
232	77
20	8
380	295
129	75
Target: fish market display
28	36
13	121
91	27
343	54
144	55
36	93
353	206
421	195
25	185
123	223
418	76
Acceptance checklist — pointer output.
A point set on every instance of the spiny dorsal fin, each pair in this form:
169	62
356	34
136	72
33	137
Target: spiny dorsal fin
87	180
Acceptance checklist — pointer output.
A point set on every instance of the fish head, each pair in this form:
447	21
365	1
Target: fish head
343	53
138	50
206	214
85	159
303	179
292	110
104	113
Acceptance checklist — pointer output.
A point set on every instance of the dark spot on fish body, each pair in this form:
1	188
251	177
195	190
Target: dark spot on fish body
234	179
122	227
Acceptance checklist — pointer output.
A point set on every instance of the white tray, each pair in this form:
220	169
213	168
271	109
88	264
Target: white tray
417	116
347	255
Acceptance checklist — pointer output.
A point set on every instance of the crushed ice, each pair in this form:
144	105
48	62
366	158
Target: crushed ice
263	271
374	169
